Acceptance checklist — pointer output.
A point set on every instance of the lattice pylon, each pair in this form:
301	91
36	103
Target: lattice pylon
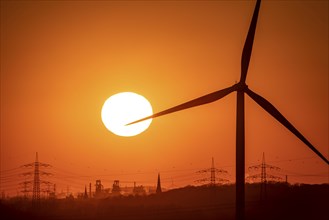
212	173
36	181
263	179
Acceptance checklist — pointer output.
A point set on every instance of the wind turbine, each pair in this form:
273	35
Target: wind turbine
241	88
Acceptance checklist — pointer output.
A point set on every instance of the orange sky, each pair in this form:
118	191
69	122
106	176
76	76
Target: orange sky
61	60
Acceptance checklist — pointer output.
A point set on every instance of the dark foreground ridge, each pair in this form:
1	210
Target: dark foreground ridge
282	201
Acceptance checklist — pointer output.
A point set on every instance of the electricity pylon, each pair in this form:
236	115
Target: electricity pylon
263	175
36	177
213	170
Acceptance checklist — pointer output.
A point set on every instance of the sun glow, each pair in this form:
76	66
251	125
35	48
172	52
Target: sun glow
123	108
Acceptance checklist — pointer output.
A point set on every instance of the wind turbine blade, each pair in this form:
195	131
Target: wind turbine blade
246	53
193	103
276	114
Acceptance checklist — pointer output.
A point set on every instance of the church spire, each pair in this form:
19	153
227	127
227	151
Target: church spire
158	185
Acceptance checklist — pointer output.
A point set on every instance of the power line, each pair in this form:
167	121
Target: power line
213	171
37	181
263	176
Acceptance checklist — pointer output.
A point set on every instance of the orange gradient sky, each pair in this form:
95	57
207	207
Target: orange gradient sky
61	60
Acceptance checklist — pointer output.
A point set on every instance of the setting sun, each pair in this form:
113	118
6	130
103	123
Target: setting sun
125	107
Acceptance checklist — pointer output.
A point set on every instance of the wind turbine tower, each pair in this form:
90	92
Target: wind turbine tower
241	88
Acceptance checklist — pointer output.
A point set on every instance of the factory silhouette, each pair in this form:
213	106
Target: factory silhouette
268	196
38	187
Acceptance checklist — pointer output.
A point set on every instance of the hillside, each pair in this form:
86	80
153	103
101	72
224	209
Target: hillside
282	201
